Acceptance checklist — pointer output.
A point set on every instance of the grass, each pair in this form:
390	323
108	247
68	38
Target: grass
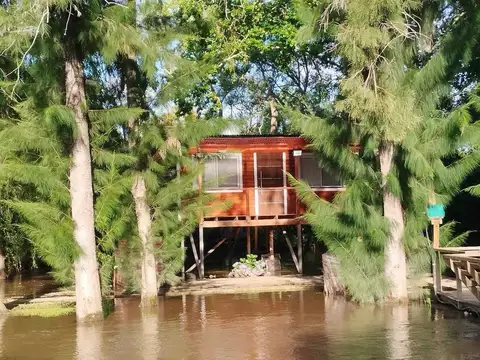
44	309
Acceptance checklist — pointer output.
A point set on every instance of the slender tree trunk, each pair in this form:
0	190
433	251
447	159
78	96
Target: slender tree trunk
273	115
2	265
395	258
149	289
87	282
331	276
3	309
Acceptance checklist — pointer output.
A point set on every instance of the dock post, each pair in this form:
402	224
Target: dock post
270	243
437	274
436	233
299	249
249	246
184	257
202	264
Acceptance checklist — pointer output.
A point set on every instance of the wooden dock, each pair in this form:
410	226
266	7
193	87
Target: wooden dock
464	291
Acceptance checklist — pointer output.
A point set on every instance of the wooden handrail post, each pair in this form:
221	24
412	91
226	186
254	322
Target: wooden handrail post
436	233
437	274
249	247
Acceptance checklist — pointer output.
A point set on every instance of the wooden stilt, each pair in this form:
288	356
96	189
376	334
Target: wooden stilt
183	252
208	253
195	255
249	246
255	239
299	249
290	247
202	259
231	249
271	250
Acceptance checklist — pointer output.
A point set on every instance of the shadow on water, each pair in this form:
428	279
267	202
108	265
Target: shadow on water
291	325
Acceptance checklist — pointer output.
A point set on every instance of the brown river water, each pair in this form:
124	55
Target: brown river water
290	325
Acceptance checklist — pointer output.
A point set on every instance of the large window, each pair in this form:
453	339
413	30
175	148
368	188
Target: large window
223	172
316	176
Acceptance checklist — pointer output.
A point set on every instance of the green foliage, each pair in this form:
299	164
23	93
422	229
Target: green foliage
45	310
384	98
250	260
14	244
249	58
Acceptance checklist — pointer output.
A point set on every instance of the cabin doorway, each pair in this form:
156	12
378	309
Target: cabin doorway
270	184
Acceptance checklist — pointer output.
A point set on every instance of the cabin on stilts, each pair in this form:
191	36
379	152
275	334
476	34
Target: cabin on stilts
250	174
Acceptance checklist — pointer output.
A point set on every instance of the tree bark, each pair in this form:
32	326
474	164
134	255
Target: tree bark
331	276
395	258
273	115
149	289
3	309
2	265
87	282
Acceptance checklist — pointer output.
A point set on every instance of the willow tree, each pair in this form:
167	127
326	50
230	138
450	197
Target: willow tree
387	105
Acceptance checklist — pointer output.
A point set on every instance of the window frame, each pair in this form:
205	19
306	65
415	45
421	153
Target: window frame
239	188
311	156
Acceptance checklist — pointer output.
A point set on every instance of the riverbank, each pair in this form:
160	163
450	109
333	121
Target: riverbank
284	283
247	285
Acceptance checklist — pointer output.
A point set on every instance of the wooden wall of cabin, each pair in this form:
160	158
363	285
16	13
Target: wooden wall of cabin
243	202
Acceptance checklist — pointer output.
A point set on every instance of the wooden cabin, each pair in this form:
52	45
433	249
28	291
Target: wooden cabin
250	174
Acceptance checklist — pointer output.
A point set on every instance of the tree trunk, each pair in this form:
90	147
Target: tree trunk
274	115
395	258
87	283
2	265
3	309
149	289
331	276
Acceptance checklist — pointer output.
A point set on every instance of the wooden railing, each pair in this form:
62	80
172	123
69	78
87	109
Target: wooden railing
267	201
465	263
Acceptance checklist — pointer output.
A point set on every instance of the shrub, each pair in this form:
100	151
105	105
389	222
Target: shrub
248	267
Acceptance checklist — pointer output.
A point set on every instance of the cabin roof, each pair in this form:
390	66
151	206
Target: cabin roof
251	142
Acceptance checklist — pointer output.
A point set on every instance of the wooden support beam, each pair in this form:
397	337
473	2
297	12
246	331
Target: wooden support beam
249	245
296	169
202	259
455	268
437	275
195	254
208	254
271	250
436	233
252	223
476	276
255	239
300	249
290	247
183	252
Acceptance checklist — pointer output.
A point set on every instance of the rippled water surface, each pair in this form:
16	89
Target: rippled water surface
295	325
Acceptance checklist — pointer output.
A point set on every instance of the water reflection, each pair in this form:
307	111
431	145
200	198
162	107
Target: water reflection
296	325
151	346
397	332
89	341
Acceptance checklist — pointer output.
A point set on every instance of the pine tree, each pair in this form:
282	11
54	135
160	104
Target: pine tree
385	108
64	36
